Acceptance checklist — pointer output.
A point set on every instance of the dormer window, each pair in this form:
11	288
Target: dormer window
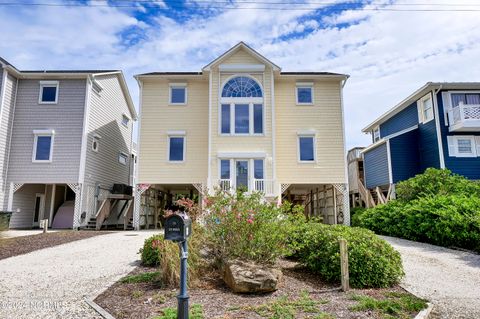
304	93
178	93
48	92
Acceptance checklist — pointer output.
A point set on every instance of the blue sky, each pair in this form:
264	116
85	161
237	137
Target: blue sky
388	53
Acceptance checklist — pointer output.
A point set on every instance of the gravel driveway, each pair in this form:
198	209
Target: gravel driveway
52	282
450	279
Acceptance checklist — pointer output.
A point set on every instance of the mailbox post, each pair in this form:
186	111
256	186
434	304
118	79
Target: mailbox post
177	229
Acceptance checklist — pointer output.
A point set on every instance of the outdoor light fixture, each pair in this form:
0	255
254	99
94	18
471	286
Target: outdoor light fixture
178	228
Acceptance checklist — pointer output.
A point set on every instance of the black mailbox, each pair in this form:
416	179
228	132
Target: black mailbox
178	227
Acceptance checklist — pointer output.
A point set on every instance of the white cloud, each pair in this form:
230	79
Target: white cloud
388	54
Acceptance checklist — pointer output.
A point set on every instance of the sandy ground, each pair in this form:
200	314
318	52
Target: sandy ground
11	233
450	279
53	282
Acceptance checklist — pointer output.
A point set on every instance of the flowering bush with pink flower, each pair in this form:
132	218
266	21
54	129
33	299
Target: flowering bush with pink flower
245	226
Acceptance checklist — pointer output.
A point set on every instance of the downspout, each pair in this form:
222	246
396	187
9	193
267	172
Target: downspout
274	151
438	129
346	206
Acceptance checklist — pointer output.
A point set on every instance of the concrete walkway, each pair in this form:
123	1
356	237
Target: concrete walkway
52	282
450	279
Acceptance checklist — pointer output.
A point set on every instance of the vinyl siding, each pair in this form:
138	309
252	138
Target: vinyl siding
428	146
325	117
66	118
376	166
401	121
222	143
105	119
6	121
158	117
404	155
466	166
24	205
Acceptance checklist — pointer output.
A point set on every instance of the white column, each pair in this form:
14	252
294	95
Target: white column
10	198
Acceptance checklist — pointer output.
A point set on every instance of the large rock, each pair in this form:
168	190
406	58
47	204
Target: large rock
248	277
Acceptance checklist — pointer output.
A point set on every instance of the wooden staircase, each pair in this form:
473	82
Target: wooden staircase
125	217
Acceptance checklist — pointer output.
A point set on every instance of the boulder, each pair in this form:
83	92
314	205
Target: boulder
249	277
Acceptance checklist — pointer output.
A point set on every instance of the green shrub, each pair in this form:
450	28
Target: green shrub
372	261
149	253
245	226
354	213
436	182
445	220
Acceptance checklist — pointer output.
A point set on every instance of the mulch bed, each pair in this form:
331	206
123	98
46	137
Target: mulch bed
146	300
10	247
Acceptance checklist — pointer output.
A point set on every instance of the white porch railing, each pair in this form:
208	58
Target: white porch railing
225	184
464	112
265	186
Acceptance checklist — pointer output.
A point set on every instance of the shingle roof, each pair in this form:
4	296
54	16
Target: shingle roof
171	73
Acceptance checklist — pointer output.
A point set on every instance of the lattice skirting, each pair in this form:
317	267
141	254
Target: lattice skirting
345	204
77	189
139	190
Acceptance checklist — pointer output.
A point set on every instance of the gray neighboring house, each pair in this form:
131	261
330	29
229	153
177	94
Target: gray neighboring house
65	139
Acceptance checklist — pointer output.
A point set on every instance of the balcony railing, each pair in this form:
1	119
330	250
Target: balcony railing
464	117
264	186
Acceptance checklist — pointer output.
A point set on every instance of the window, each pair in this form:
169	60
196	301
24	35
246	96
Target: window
125	120
463	145
95	142
122	158
225	169
241	107
258	118
376	134
258	169
176	148
465	98
48	92
178	93
225	119
242	119
306	148
426	109
304	93
242	86
43	146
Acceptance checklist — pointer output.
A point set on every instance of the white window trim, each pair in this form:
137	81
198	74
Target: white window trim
314	136
177	86
456	153
125	116
48	84
233	169
126	158
304	85
177	134
38	133
251	102
421	110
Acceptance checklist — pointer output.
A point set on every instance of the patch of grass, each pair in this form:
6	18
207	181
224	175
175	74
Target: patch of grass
137	294
196	312
398	305
144	277
283	308
324	315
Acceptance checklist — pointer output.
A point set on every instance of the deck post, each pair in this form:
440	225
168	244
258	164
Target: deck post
344	265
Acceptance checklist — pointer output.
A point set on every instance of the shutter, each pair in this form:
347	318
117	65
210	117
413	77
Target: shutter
420	111
477	144
447	105
451	146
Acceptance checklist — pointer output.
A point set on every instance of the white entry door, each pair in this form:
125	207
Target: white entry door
39	209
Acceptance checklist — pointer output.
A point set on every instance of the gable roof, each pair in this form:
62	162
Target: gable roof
429	86
238	46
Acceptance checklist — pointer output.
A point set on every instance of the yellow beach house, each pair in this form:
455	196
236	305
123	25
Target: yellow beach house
242	122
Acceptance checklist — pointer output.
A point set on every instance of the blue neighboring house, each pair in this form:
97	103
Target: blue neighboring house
436	126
